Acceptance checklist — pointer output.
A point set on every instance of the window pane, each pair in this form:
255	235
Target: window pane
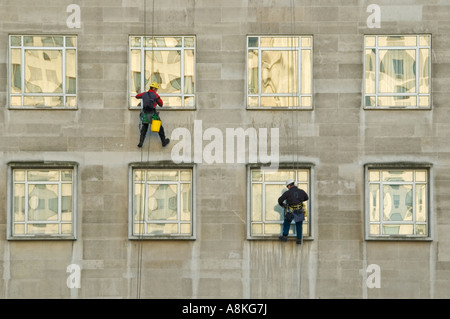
421	203
16	40
306	72
424	72
302	176
279	42
397	71
43	175
19	203
370	71
279	176
71	72
306	42
252	42
279	101
135	69
370	41
16	74
398	175
186	229
162	202
189	70
257	203
257	229
395	41
19	176
43	202
43	41
164	67
279	72
421	230
398	201
424	40
253	72
185	202
274	229
66	202
138	201
374	203
43	71
71	42
274	212
421	176
162	175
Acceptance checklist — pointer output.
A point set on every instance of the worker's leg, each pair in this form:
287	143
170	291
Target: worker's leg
286	225
299	230
144	129
162	135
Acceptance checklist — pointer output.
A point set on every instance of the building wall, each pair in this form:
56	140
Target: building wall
338	136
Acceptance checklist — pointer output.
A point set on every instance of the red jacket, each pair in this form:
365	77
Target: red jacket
157	98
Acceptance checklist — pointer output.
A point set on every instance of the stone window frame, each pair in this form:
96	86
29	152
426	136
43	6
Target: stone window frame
17	42
420	45
309	221
163	165
13	166
396	166
299	94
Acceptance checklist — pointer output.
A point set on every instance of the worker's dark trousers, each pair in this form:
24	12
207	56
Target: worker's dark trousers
298	228
144	130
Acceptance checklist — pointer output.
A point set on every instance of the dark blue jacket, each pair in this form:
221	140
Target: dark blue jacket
293	196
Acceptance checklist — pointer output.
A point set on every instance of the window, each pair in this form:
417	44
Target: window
266	186
397	72
43	71
279	72
169	61
42	204
162	203
397	201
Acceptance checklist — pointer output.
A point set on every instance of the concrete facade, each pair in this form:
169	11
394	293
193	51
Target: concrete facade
337	136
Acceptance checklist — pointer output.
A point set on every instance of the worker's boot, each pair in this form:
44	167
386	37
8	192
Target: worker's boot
162	135
283	238
165	142
142	138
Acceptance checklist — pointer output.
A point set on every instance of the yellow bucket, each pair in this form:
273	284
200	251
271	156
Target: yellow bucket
156	125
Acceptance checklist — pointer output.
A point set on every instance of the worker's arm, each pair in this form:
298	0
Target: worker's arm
139	96
158	100
281	199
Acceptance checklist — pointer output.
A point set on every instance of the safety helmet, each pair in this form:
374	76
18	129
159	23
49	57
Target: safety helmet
154	85
289	182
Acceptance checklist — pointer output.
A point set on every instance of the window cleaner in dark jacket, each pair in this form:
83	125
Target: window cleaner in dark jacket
148	105
293	209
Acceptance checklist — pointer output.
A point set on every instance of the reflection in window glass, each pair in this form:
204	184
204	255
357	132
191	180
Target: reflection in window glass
169	61
266	216
162	202
398	202
42	202
43	71
397	71
279	72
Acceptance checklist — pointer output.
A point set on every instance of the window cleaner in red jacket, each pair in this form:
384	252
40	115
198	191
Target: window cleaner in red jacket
148	105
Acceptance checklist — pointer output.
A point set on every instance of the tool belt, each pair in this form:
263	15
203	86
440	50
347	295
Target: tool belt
291	209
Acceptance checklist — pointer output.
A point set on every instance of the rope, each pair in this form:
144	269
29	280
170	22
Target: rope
295	121
143	182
